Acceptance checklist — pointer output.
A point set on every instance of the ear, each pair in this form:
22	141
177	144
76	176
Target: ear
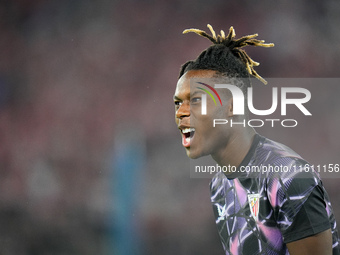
230	112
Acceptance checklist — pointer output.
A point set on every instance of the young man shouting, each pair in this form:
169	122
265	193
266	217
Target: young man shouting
285	212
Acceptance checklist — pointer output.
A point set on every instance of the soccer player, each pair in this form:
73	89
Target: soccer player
265	212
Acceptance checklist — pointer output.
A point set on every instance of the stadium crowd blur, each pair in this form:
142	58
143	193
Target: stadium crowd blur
86	89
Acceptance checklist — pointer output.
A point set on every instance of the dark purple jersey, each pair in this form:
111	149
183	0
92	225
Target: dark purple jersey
274	198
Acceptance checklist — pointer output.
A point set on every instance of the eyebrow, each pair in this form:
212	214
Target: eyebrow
197	92
177	98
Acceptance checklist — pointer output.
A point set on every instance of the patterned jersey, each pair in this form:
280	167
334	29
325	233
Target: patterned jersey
274	198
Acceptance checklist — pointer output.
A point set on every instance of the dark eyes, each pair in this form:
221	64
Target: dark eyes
192	101
195	99
178	103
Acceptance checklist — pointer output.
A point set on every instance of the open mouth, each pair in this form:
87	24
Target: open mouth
187	135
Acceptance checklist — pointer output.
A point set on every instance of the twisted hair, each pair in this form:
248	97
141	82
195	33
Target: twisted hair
225	55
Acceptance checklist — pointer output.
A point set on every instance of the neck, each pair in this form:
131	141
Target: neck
236	149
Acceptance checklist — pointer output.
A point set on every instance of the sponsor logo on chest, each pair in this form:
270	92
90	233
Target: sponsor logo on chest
221	212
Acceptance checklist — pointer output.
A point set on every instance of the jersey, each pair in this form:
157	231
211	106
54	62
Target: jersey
272	199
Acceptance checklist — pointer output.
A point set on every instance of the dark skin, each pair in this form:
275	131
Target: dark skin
227	145
320	243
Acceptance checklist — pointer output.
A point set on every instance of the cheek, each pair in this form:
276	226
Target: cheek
220	130
218	112
195	110
222	112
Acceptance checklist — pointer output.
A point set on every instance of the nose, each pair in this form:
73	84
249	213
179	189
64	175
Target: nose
183	111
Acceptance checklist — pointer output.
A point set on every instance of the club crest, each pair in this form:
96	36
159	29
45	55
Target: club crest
254	205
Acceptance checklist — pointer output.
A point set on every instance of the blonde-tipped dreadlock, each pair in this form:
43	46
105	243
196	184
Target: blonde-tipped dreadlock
234	46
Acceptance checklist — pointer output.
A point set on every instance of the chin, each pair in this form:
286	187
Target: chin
193	155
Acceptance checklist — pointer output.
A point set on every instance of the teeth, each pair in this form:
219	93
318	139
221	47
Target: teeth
188	130
187	139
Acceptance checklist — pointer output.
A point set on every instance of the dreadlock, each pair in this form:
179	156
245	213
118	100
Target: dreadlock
225	55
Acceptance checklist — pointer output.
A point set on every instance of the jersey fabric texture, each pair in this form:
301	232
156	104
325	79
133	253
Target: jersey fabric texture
259	211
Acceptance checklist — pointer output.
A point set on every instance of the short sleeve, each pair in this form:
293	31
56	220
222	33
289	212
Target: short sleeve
311	219
298	203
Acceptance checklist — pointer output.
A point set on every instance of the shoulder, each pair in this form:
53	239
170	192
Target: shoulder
284	171
281	161
271	151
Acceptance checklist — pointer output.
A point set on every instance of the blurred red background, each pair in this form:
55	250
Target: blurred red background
91	161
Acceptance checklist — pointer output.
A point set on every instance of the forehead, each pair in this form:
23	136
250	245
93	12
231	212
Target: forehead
190	80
